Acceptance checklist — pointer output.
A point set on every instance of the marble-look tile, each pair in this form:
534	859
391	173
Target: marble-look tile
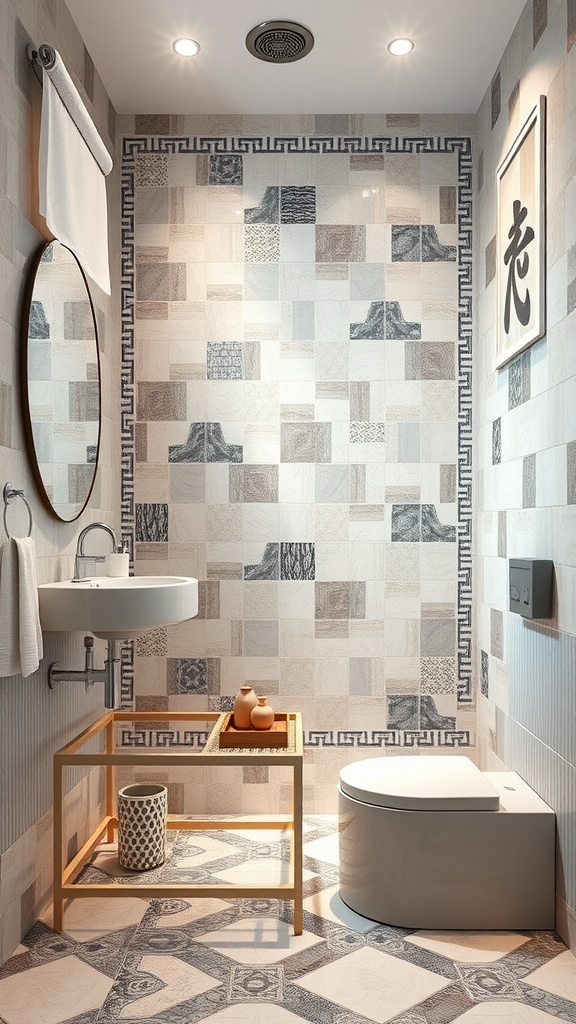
53	992
496	442
437	638
429	360
556	976
469	947
305	442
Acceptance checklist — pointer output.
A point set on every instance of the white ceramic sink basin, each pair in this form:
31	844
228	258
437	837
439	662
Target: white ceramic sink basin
117	608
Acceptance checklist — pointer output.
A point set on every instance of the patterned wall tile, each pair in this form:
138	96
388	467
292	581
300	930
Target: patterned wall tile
437	638
519	381
268	568
268	209
496	442
340	243
429	360
152	522
225	360
484	670
305	442
186	675
225	169
495	99
254	483
161	400
529	481
298	204
262	243
297	561
447	204
496	633
539	19
490	262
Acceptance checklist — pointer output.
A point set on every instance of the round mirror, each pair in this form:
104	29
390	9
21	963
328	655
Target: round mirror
61	381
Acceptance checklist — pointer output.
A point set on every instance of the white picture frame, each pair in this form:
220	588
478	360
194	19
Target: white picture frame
521	239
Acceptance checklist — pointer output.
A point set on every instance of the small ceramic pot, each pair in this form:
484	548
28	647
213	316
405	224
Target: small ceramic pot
262	716
245	700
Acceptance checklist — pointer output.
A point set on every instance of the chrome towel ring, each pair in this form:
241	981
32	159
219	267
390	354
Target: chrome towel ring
10	493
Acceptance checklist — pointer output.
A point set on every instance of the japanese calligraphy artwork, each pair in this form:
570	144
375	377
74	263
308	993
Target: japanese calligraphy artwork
521	240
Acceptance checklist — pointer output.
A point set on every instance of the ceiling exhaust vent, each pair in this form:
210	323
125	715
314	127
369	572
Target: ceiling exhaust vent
279	42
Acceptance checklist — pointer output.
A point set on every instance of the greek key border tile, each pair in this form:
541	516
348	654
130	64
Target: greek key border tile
358	738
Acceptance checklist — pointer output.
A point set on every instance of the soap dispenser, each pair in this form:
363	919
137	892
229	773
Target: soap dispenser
119	562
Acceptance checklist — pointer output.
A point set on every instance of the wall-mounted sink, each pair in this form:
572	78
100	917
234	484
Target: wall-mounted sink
117	608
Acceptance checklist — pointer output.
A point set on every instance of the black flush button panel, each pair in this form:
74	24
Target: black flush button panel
531	587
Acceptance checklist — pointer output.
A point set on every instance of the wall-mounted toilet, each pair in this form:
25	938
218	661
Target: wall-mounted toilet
432	842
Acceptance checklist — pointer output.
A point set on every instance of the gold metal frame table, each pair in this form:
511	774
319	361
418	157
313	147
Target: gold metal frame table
65	875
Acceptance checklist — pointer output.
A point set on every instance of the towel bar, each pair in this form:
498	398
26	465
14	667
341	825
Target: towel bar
10	492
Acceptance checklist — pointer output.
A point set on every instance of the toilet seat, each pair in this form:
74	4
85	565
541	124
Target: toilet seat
414	783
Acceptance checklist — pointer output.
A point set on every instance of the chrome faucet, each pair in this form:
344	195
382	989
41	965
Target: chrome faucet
81	559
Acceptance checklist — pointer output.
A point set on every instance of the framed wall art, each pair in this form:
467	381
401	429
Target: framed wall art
521	239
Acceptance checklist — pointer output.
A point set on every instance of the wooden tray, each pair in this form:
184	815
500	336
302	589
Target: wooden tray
275	736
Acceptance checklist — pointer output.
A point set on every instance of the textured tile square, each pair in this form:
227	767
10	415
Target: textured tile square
529	481
268	568
225	169
496	441
161	400
254	483
429	361
496	633
262	243
490	262
571	471
519	381
484	673
305	442
539	19
186	675
340	243
298	204
152	522
437	638
495	99
297	561
225	360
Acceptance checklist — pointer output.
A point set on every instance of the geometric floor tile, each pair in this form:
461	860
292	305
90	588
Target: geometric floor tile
237	961
505	1013
325	849
254	1013
469	947
557	976
260	872
181	982
85	920
53	992
258	940
373	984
327	904
196	910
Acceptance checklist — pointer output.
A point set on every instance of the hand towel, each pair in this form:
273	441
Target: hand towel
20	635
72	186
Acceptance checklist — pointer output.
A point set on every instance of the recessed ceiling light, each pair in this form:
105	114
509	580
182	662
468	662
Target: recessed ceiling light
400	47
186	47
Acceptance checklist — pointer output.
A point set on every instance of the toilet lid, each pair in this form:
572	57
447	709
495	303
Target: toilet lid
424	783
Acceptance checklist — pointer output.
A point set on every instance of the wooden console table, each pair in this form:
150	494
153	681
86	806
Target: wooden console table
65	884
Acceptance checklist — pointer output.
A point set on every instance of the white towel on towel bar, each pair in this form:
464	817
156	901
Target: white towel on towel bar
20	635
72	187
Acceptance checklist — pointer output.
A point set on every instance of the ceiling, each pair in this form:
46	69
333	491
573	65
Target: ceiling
458	44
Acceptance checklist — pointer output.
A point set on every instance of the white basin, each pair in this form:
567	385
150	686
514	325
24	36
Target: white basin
117	608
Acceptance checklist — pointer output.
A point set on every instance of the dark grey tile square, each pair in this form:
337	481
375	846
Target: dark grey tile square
539	19
218	449
298	204
433	250
152	522
372	327
152	124
406	523
495	100
519	380
403	711
38	326
297	561
406	243
88	75
186	675
496	441
481	171
513	100
225	169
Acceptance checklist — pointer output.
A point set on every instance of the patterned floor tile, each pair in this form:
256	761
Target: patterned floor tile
259	940
263	872
323	849
469	947
180	982
505	1013
557	976
89	919
373	984
189	912
52	992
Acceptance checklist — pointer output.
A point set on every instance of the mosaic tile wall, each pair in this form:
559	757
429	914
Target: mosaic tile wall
524	447
297	367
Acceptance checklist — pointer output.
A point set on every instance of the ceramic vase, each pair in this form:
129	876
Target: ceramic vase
245	700
262	716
